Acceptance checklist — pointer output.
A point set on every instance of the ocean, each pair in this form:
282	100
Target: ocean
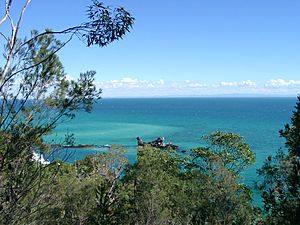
182	121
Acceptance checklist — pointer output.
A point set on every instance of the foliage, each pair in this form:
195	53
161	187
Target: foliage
106	25
35	97
163	187
227	147
160	187
216	170
291	132
31	109
280	177
171	188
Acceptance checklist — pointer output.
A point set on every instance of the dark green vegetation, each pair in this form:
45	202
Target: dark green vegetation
35	97
280	184
162	187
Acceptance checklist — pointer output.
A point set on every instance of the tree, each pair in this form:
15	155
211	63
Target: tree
280	177
291	132
35	96
198	188
88	191
215	170
161	192
228	147
111	196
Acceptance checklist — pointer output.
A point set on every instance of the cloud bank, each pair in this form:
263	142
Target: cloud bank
134	87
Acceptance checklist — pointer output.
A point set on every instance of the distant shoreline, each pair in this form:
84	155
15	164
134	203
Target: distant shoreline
202	97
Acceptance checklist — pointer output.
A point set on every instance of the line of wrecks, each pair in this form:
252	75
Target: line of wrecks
157	143
80	146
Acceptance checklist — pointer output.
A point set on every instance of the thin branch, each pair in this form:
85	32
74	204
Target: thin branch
38	63
72	30
21	107
21	15
7	10
13	27
12	43
115	179
3	35
11	106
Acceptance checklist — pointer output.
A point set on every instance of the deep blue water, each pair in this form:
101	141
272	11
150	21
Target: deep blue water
181	121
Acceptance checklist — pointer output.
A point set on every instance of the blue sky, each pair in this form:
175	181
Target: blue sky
186	48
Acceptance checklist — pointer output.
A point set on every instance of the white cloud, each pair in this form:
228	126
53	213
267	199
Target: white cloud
228	84
196	85
278	83
150	86
246	83
134	87
129	80
129	83
161	82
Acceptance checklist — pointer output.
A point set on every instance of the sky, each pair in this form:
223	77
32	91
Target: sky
184	48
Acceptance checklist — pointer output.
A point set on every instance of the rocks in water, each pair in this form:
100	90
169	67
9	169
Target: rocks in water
140	141
157	143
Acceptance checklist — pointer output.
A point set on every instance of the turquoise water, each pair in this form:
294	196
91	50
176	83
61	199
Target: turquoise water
182	121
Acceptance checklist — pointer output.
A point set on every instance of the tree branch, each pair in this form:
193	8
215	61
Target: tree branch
6	39
7	10
12	43
38	63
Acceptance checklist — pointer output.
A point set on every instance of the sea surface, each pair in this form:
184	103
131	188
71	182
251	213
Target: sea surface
182	121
